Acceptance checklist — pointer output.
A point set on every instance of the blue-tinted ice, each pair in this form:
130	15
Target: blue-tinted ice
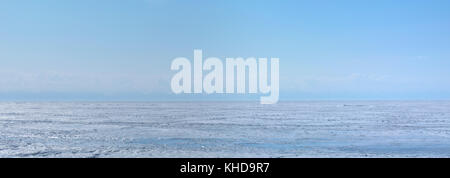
226	129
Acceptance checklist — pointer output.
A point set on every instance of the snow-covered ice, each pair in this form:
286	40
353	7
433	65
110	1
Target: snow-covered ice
225	129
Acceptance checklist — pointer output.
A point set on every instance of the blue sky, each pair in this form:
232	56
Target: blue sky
122	50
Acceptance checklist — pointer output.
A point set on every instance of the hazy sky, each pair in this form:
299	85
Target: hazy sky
122	50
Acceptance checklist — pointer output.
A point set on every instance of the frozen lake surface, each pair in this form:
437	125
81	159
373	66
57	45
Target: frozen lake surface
225	129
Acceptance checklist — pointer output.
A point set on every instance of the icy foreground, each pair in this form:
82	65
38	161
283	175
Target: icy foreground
226	129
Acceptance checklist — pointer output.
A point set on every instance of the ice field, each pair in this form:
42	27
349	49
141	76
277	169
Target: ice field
225	129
